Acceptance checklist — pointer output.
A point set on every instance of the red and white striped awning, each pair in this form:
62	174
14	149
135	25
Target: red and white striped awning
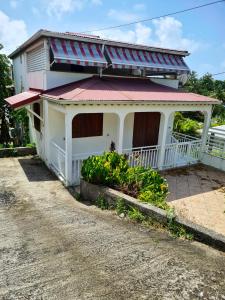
78	53
124	58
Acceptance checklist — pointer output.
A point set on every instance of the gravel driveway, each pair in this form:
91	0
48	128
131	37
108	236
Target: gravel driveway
53	247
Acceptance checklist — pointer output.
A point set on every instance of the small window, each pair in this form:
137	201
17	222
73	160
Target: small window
37	122
87	125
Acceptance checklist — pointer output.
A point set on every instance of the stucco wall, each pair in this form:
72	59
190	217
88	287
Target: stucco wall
57	127
99	143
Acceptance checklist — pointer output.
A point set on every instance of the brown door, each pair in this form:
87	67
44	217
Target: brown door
146	129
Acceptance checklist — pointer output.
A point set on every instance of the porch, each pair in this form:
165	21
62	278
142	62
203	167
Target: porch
69	146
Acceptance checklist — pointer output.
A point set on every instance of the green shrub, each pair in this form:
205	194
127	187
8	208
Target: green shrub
107	169
121	207
185	125
136	215
102	203
111	169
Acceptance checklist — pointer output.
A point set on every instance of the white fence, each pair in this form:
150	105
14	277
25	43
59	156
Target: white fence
58	159
215	145
182	154
145	156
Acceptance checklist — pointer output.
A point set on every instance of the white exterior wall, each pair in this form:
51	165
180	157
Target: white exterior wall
57	127
20	73
99	143
128	131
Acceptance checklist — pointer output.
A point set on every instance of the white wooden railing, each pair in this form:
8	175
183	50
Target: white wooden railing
57	159
145	156
215	145
181	154
77	164
181	138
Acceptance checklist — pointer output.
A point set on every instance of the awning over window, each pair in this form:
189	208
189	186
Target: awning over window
22	99
78	53
124	58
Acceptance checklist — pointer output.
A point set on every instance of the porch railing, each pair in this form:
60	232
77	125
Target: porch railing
181	154
215	145
77	164
145	156
58	159
182	138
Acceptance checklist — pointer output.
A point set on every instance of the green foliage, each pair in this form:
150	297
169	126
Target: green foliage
135	214
185	125
112	169
107	169
121	207
5	82
102	203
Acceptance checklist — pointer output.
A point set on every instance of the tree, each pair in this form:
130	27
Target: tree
5	82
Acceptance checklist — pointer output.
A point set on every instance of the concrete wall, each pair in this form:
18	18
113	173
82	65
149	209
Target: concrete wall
174	83
213	161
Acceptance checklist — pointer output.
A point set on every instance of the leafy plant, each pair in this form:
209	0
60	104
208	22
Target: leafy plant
135	214
121	207
102	203
185	125
107	169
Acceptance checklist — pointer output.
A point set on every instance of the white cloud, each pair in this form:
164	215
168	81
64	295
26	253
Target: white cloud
122	16
166	32
59	7
169	34
12	32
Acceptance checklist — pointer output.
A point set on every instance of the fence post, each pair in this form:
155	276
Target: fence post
162	150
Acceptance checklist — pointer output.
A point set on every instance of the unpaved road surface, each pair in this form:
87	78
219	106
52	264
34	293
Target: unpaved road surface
53	247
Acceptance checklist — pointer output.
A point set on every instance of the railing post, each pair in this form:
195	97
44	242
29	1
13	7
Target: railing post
206	127
120	133
46	131
162	149
68	148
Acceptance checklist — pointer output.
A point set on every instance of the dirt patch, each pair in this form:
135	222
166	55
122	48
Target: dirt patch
7	199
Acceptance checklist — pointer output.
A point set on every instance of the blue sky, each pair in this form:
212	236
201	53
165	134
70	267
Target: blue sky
201	32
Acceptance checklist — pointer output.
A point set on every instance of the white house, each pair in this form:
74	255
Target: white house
86	95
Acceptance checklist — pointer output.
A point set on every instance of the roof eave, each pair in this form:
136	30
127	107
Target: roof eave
97	102
46	33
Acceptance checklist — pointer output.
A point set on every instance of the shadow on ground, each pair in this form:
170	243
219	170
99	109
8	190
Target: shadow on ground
35	170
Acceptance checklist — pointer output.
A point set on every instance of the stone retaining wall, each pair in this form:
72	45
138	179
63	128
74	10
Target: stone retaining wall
19	151
90	192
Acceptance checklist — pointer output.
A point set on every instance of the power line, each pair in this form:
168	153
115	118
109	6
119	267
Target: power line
155	18
218	73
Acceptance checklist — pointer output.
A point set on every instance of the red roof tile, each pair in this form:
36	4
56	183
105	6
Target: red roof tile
122	89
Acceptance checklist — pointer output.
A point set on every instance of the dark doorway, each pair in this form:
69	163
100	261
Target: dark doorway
146	129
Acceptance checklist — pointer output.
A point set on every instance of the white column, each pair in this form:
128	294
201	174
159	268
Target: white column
163	139
207	122
120	133
68	148
46	132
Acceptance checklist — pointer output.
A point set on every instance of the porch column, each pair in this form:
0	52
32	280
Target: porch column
46	130
207	121
163	140
120	133
68	148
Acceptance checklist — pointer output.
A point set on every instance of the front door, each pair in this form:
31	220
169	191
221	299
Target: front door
146	129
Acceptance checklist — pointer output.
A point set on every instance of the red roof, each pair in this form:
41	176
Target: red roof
23	99
122	89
